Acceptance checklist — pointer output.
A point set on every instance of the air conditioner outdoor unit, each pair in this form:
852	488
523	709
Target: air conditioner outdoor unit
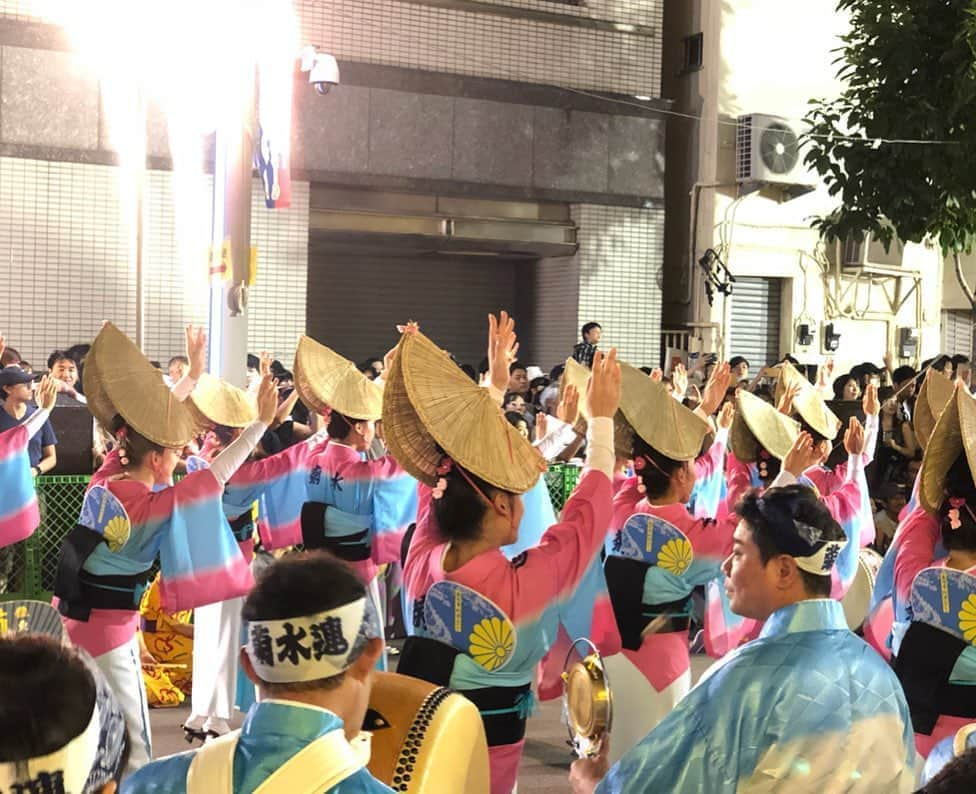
863	251
768	152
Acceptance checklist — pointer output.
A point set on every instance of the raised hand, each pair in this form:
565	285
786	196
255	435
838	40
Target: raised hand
726	415
854	440
679	377
264	364
716	388
785	405
502	349
603	388
3	344
541	426
267	400
47	393
657	375
802	455
196	350
568	408
870	403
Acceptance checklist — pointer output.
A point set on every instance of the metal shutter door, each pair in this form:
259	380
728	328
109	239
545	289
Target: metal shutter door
957	333
755	321
355	301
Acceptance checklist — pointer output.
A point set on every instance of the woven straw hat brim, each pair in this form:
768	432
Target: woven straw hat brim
665	424
98	403
324	378
575	374
809	403
218	402
459	416
403	431
123	382
933	396
955	431
758	425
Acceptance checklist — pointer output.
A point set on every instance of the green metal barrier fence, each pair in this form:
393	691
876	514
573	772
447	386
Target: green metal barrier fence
27	569
30	566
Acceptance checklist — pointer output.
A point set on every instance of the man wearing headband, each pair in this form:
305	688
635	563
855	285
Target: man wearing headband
63	730
313	643
807	706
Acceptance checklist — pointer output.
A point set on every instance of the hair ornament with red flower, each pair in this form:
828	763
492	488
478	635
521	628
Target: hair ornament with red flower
445	468
121	435
955	504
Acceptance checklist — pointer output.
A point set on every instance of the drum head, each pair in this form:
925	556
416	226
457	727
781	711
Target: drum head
857	601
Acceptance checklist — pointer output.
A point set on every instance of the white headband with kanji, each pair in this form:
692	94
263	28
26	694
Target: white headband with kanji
307	648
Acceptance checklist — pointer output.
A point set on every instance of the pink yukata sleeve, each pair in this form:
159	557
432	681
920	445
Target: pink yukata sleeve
917	538
739	479
706	465
567	548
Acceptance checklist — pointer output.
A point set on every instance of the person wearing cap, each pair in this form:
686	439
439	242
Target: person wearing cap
357	508
64	732
313	641
932	652
18	406
807	706
129	522
474	468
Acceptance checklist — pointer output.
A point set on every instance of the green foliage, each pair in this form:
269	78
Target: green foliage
910	73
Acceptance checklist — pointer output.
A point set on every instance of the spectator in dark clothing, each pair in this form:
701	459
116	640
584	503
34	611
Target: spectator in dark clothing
18	405
584	351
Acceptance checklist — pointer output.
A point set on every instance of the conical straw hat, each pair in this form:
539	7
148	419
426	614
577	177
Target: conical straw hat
758	425
575	374
120	380
809	403
429	402
218	402
658	418
954	433
933	395
323	379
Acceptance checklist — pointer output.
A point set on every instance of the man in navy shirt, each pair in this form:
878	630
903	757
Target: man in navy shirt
17	405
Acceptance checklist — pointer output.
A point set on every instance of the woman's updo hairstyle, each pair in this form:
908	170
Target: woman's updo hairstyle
956	517
133	447
340	425
458	507
653	469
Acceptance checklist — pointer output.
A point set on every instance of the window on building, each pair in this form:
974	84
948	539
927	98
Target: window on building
693	52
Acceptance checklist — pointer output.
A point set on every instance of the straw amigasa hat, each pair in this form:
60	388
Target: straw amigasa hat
324	379
954	434
120	380
808	403
933	396
429	405
758	425
216	402
575	374
654	415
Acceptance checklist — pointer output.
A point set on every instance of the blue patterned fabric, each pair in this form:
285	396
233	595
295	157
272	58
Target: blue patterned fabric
273	732
784	710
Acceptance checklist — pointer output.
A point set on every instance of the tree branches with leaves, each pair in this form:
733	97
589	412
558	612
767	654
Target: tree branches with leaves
909	70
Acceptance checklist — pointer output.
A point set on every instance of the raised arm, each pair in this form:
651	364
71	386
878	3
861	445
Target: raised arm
228	461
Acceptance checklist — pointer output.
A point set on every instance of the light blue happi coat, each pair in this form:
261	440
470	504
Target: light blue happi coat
806	707
273	732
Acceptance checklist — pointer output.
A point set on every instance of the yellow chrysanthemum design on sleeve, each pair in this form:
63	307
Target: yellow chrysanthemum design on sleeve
675	556
967	619
491	641
117	532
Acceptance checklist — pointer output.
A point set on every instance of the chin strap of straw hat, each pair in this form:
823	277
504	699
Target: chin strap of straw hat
448	465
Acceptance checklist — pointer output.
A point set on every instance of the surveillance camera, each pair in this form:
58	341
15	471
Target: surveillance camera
323	71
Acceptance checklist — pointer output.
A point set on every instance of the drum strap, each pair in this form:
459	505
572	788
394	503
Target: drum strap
316	768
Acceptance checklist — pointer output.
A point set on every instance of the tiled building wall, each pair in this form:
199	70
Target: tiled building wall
620	256
414	35
65	262
554	322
